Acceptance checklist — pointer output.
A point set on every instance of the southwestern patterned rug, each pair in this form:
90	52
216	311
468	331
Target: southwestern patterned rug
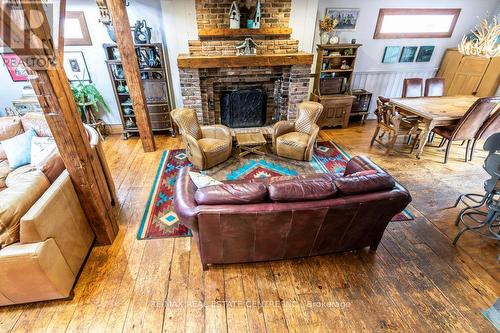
160	220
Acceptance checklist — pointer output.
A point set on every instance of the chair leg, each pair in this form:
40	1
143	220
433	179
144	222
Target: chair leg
374	136
472	149
463	141
447	152
467	151
415	141
391	143
442	142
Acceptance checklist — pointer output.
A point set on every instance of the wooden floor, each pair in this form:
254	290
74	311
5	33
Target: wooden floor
415	282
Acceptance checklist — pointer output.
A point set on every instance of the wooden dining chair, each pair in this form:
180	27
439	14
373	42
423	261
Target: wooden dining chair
392	123
467	128
412	87
489	127
434	87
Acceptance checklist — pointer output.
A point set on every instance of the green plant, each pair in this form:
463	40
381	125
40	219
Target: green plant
87	92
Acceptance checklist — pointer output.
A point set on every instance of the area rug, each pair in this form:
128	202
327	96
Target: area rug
160	220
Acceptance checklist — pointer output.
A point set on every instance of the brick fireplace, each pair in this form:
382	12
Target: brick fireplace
212	67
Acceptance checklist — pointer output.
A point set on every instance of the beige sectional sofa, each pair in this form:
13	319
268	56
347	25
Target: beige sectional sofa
48	237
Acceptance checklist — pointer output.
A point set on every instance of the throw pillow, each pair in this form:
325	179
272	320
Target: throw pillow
18	149
202	181
42	149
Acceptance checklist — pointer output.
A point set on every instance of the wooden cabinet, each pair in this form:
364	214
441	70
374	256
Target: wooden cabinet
469	75
336	110
154	82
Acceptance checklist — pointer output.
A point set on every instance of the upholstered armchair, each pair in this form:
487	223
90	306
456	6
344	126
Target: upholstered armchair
295	139
206	146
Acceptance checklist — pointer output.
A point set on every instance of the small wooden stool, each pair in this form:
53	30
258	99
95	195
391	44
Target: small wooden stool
251	143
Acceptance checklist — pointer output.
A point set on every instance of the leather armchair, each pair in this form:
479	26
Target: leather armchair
295	139
206	146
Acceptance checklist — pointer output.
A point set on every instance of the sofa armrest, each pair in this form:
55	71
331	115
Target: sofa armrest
310	144
184	201
280	128
58	215
360	163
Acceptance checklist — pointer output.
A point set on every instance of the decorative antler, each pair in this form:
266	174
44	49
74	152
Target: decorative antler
485	44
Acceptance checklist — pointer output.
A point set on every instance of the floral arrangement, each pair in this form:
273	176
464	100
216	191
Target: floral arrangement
327	24
483	41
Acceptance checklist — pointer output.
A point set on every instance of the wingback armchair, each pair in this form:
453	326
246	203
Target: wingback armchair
295	139
206	146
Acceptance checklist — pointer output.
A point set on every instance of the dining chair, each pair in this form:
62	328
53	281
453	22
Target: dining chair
490	127
434	87
392	123
412	87
468	126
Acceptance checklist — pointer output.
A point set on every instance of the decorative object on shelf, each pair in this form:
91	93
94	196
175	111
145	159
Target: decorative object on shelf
483	41
326	26
153	58
130	123
142	57
244	13
348	52
121	88
334	39
344	65
116	54
234	16
75	66
408	54
157	75
248	47
142	33
128	111
425	53
253	21
391	54
76	32
353	41
111	32
118	72
347	18
144	75
15	67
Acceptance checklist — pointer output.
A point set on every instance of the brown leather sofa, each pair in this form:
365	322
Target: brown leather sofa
296	139
206	146
50	239
290	217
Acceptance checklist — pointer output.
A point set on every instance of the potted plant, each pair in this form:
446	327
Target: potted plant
86	94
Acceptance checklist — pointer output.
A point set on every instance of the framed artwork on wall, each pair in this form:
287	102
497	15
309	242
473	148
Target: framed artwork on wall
408	54
76	31
347	18
416	23
425	53
75	66
15	67
391	54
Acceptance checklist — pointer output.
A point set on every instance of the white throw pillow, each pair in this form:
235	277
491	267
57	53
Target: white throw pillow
202	181
42	149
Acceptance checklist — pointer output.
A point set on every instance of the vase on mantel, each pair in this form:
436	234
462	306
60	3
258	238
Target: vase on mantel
325	37
334	39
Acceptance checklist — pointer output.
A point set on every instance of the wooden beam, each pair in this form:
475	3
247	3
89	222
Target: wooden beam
56	99
186	61
119	17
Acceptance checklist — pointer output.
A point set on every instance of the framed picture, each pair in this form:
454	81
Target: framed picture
15	67
391	54
76	66
76	31
425	53
416	23
408	54
347	18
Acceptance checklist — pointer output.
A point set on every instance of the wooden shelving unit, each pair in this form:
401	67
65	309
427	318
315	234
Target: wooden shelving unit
154	81
332	84
226	32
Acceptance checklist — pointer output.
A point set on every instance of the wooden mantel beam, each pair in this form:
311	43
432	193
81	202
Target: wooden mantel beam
119	17
55	97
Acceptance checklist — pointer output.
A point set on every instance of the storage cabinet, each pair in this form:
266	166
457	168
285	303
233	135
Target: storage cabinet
154	82
336	110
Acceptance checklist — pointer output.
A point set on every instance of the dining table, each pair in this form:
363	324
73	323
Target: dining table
433	112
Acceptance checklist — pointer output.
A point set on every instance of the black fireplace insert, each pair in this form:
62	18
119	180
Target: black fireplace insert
243	108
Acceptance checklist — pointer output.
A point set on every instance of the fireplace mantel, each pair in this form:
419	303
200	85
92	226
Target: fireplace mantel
268	60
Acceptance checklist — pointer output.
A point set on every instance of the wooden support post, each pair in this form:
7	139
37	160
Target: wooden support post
56	99
119	17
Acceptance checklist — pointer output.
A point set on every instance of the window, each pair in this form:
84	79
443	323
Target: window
415	23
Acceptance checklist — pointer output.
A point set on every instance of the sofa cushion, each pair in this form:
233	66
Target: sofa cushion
53	168
42	149
350	185
9	128
5	169
231	194
312	187
295	139
201	180
18	149
36	122
24	190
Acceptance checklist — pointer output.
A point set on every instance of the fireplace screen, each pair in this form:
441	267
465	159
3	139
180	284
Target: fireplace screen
243	108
